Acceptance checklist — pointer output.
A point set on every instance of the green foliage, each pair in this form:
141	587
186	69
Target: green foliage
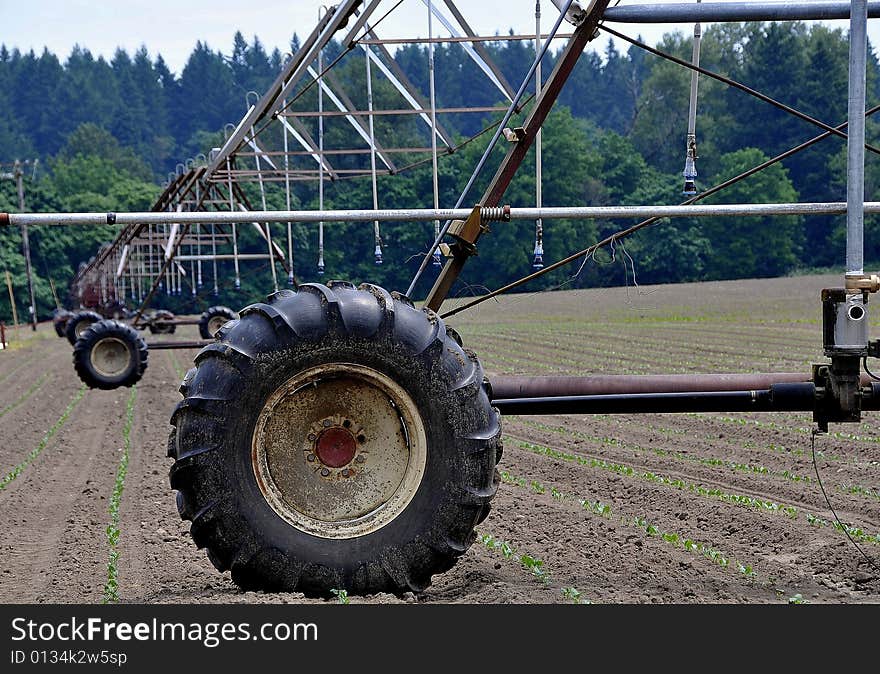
341	595
111	587
106	133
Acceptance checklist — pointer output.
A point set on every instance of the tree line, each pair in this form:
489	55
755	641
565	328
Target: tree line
107	133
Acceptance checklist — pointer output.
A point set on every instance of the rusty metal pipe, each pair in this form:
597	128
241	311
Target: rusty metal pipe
779	398
790	397
177	345
542	387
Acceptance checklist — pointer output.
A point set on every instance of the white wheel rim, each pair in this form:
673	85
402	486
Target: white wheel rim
339	450
110	356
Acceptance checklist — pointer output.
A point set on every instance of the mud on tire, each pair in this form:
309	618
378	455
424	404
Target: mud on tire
213	319
246	405
78	322
110	354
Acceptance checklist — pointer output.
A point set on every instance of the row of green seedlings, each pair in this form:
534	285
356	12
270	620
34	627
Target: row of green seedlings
111	587
602	348
24	362
622	469
708	492
24	396
806	430
604	510
673	538
533	565
7	479
709	461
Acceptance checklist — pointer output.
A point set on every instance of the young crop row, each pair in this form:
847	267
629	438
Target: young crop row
674	539
24	396
7	479
709	461
22	364
649	476
529	563
708	492
111	587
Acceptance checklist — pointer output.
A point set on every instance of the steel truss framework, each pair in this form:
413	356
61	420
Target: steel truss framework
311	126
282	141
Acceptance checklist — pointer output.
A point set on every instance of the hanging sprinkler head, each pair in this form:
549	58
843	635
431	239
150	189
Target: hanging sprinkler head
290	279
438	262
539	256
378	253
237	283
321	263
690	168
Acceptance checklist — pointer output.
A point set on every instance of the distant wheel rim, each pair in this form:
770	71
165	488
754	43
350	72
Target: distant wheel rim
339	450
82	326
216	323
110	357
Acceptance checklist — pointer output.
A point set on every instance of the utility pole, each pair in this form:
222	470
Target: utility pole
18	172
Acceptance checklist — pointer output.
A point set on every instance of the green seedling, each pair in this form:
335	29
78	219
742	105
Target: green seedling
341	595
111	587
36	451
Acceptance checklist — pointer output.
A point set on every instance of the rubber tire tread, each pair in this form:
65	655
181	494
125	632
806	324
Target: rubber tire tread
212	429
138	354
210	313
75	319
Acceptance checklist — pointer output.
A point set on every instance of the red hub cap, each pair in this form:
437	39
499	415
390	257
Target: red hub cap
335	447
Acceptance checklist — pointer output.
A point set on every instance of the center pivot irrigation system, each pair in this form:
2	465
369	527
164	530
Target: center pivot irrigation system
339	437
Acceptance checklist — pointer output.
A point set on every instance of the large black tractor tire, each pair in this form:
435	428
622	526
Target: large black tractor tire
159	324
59	322
110	354
78	323
213	319
334	438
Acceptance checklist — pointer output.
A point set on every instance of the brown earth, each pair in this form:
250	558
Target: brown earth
700	508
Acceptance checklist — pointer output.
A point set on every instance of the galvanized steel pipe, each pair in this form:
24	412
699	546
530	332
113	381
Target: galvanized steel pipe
733	12
428	214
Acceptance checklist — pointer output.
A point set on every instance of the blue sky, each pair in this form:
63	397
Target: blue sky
171	27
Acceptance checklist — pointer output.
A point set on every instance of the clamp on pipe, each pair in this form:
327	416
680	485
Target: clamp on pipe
466	232
869	283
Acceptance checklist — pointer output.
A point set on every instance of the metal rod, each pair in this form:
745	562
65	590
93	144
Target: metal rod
538	260
780	398
514	386
372	130
734	11
855	161
320	161
156	346
446	271
690	158
290	280
435	173
428	214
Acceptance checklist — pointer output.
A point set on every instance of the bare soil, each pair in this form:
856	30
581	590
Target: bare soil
701	508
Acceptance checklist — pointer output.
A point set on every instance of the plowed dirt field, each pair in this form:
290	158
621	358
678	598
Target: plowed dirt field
694	508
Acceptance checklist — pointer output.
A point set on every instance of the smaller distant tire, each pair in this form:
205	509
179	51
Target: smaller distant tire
78	323
110	354
59	322
213	319
159	326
